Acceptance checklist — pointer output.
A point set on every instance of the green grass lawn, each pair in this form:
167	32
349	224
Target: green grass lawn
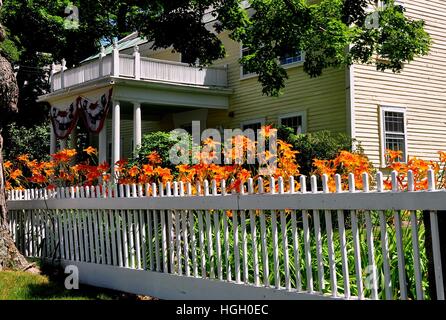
27	286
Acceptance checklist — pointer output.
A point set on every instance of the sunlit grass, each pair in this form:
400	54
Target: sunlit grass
15	285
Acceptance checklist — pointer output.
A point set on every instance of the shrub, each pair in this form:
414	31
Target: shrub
322	145
159	142
33	141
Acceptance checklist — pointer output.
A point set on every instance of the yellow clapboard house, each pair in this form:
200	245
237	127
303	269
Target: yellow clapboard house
154	90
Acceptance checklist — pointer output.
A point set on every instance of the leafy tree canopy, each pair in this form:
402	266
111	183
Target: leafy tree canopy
332	33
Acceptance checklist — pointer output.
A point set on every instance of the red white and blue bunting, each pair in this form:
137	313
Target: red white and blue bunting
64	120
94	114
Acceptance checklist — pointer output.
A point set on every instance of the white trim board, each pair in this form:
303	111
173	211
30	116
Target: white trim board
174	287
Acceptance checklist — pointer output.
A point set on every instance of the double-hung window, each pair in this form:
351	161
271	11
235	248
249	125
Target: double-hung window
394	133
253	124
295	121
245	72
292	57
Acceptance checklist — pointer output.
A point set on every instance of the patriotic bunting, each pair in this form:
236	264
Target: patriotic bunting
64	120
94	114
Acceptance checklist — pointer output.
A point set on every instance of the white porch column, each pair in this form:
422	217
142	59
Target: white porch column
52	140
116	132
103	143
136	125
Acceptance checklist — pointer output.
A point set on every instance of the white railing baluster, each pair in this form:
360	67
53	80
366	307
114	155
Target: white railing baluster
244	246
415	245
275	248
307	245
184	235
178	243
97	249
356	245
76	235
201	241
110	216
252	217
137	236
236	246
171	242
156	231
149	214
119	236
192	237
164	240
101	236
210	242
125	244
436	241
384	241
399	242
142	230
343	242
227	251
285	250
331	252
370	244
296	251
318	237
68	252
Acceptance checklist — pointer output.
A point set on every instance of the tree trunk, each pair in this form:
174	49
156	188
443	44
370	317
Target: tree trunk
10	257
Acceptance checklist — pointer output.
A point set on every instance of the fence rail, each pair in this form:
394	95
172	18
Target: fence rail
206	242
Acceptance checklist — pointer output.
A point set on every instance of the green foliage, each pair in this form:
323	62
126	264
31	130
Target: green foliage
33	141
271	246
323	145
159	141
324	31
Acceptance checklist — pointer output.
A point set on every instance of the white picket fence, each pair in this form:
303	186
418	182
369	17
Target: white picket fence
177	242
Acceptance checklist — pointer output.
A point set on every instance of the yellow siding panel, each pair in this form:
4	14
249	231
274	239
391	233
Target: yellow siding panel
166	55
420	88
324	98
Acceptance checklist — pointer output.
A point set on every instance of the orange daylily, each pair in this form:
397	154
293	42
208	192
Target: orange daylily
90	150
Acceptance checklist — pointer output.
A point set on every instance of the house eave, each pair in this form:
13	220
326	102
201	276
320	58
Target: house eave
120	81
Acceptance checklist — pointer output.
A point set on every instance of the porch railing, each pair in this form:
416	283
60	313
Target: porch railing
139	68
185	241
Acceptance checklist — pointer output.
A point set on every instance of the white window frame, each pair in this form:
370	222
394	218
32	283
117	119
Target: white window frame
285	66
248	75
302	114
294	64
382	133
253	121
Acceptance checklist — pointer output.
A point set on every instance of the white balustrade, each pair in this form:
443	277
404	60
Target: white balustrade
150	70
